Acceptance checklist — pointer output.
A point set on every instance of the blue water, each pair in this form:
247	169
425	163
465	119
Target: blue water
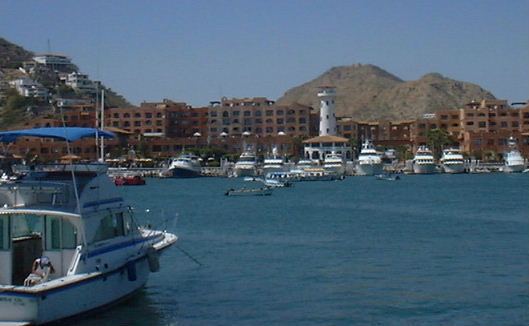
424	250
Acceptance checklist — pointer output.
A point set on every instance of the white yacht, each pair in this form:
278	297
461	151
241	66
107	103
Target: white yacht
452	161
334	162
273	163
369	161
423	161
184	166
246	165
68	242
306	163
514	162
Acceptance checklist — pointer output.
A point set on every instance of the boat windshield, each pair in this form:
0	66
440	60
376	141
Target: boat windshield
51	232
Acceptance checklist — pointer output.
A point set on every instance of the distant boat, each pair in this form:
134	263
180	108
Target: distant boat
423	161
387	177
129	180
246	165
334	162
514	162
264	191
273	163
184	166
452	161
369	162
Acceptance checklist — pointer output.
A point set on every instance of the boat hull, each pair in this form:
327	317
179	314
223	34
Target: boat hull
183	173
88	293
513	168
245	172
424	168
369	169
453	168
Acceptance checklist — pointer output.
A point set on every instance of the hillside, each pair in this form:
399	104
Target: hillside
12	106
367	92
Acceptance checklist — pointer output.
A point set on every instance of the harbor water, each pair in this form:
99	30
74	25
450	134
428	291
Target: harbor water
424	250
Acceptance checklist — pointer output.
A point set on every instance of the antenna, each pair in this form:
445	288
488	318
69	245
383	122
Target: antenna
101	143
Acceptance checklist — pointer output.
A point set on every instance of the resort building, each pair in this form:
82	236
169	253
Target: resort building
257	116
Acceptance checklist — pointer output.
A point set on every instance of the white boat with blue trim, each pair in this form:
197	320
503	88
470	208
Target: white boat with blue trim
73	218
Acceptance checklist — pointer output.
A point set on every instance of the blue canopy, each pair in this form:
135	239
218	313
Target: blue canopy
66	133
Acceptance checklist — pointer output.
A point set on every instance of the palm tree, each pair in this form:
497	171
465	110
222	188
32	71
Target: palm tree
437	139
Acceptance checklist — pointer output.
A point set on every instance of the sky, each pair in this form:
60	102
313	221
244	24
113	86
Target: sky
198	51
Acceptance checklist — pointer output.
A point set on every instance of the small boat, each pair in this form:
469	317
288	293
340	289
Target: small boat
369	162
273	163
70	243
264	191
246	165
452	161
334	162
514	161
184	166
387	177
129	180
272	183
423	161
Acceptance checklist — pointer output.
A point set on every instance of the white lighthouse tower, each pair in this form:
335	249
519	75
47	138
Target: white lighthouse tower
327	95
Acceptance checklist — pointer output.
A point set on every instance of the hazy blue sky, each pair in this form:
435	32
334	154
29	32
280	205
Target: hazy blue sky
197	51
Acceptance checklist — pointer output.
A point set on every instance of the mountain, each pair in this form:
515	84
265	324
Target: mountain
367	92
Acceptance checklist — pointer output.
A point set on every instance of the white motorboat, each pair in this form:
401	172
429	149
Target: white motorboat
246	165
514	162
306	164
68	242
334	162
263	191
184	166
452	161
369	161
273	163
423	161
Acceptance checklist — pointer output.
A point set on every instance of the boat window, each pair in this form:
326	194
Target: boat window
110	226
60	234
23	225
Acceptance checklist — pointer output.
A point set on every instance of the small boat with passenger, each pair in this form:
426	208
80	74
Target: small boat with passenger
68	241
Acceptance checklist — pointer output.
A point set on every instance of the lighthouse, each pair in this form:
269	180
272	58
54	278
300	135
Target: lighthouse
327	95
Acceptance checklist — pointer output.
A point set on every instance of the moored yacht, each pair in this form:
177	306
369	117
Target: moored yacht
369	162
246	165
514	162
452	161
69	243
184	166
273	163
423	161
334	162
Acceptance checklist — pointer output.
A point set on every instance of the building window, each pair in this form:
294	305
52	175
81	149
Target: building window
258	113
515	124
247	113
470	123
280	121
503	124
235	113
269	113
482	124
280	112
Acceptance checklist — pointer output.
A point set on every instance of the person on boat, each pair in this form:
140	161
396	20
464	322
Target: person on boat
40	271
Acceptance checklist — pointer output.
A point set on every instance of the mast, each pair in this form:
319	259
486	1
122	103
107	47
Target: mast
101	142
